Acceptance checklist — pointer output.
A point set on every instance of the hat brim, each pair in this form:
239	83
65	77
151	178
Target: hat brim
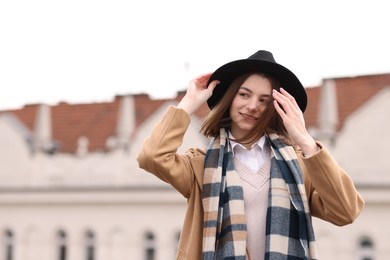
228	72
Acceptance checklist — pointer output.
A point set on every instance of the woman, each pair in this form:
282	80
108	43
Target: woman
252	193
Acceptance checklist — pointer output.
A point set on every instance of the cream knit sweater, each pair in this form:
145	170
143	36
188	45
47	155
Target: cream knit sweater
256	188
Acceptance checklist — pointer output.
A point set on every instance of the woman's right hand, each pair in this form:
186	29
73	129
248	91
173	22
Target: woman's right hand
197	93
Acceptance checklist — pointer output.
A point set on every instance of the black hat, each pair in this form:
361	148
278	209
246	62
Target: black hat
261	61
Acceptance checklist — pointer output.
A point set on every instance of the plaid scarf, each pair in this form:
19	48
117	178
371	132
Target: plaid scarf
289	231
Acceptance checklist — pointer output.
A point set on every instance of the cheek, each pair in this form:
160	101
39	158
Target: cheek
231	111
233	107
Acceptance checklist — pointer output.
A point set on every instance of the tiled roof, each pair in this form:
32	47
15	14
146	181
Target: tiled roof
313	95
354	92
98	121
351	92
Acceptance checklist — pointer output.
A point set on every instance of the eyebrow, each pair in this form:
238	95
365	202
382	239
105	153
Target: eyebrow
247	89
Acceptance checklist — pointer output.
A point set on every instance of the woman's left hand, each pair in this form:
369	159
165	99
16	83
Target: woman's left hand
293	120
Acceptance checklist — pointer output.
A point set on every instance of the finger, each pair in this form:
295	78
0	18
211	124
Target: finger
290	97
203	79
283	101
213	84
280	111
289	101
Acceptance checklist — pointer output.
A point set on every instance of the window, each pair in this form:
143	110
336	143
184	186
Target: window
366	249
61	244
8	244
89	245
150	250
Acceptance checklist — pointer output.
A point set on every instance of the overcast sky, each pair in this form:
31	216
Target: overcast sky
81	51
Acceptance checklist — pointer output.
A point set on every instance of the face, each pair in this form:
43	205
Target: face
248	104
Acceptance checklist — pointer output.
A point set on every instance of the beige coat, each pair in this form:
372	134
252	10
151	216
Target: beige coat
331	193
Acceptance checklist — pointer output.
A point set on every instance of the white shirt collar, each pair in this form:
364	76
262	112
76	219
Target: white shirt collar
260	143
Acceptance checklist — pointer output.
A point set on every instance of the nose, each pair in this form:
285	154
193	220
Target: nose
253	104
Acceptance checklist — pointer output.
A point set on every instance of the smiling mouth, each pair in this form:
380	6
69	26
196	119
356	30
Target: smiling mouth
249	117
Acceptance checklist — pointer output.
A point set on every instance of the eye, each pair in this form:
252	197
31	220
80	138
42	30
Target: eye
264	100
243	94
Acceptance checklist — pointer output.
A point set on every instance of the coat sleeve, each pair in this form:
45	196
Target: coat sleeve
331	193
159	154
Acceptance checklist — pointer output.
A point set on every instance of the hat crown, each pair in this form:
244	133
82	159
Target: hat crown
263	55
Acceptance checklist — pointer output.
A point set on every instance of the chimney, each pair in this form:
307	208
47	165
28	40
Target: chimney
82	146
328	112
42	138
126	122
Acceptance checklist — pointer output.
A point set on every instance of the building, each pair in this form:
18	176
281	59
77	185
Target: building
70	187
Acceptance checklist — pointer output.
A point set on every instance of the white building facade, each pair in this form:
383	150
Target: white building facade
101	206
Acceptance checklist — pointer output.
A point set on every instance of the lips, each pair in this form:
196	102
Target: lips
249	117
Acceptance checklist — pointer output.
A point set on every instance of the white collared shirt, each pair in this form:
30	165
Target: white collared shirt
255	157
255	184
